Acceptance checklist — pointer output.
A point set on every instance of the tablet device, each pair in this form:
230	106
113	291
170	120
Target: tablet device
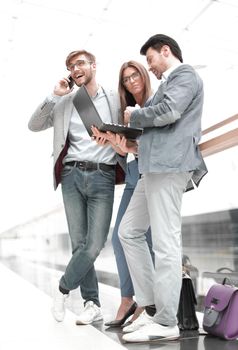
90	116
128	132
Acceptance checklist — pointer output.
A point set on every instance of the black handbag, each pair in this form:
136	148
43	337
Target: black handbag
186	315
187	319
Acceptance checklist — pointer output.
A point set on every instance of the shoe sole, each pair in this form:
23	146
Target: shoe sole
152	341
79	323
112	325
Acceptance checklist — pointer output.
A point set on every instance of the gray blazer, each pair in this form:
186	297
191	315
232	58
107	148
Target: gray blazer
172	126
57	113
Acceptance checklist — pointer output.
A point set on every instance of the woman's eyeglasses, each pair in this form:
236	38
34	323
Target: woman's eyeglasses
133	76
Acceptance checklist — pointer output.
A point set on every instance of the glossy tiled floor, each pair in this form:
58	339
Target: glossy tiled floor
26	322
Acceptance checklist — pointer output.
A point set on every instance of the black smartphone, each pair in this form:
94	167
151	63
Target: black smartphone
71	82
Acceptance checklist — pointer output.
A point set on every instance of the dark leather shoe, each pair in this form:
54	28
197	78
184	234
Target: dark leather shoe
119	323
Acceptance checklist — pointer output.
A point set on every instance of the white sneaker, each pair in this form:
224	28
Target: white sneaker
90	314
153	332
58	308
141	321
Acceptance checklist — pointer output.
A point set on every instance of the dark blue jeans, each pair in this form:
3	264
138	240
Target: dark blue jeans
88	200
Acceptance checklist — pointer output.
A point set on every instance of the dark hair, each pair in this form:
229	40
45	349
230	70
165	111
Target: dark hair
157	41
126	98
72	54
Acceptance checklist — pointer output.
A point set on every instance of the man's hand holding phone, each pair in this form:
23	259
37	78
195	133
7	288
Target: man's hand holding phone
71	82
64	86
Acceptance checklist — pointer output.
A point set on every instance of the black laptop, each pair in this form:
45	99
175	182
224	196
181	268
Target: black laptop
90	116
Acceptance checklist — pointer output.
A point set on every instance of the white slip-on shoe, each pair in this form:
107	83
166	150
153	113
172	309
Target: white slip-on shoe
141	321
90	314
58	308
153	332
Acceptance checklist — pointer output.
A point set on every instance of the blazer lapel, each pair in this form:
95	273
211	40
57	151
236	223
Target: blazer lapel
159	95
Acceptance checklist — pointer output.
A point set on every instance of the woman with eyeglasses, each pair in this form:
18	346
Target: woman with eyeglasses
134	89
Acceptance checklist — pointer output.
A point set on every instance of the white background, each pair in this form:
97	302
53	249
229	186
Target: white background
37	35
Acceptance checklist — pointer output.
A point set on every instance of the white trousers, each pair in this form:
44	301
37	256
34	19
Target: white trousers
156	202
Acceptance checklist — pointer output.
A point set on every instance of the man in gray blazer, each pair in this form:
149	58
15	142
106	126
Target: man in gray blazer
86	172
170	162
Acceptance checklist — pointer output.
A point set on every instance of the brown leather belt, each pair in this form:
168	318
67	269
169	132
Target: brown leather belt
90	166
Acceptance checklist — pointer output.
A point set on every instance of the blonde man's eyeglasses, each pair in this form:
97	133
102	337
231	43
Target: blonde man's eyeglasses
78	64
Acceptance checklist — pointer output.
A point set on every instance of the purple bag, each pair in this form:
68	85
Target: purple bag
221	311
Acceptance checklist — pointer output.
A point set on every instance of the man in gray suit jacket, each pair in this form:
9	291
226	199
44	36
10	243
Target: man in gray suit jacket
169	161
86	171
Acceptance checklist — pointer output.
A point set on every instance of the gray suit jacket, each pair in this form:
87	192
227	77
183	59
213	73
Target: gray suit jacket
57	114
172	126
